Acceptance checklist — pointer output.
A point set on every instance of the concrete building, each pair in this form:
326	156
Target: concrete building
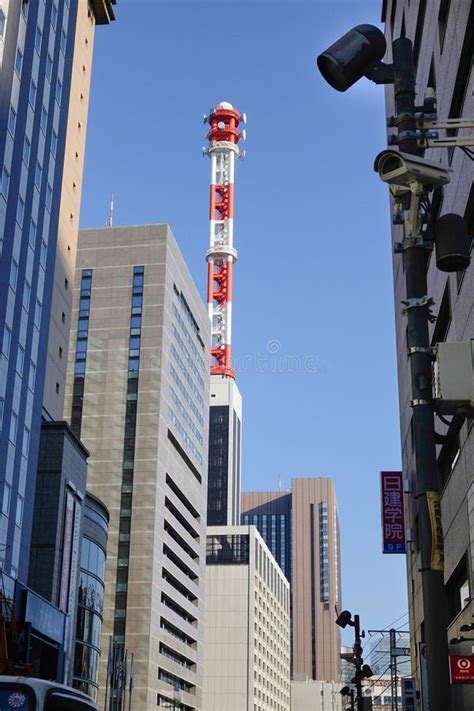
225	448
138	396
310	695
247	624
43	73
301	529
443	47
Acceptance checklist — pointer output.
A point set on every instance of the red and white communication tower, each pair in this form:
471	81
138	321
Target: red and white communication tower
223	149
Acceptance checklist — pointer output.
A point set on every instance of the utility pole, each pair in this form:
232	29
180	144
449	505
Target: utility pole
419	352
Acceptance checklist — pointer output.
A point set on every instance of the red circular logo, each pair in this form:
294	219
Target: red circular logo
464	664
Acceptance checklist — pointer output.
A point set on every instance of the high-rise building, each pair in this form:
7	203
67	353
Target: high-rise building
301	529
247	624
138	396
443	45
225	421
40	43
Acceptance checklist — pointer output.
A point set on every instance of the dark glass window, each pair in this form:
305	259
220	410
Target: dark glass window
218	465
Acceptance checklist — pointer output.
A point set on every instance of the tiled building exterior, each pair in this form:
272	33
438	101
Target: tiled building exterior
301	529
138	395
443	39
247	624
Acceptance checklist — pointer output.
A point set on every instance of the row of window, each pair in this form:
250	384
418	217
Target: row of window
121	585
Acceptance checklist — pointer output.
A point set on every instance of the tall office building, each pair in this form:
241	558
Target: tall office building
443	44
301	529
39	45
138	394
247	626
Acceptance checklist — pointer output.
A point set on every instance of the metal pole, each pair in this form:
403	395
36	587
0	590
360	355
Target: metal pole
427	486
358	663
393	672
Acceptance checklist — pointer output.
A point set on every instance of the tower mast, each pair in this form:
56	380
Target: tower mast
222	149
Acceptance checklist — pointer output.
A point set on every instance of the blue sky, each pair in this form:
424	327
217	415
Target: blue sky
313	311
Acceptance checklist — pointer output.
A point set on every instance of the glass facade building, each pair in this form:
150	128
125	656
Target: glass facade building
91	596
36	50
39	73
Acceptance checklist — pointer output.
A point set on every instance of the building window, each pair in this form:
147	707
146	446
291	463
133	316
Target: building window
54	16
20	211
49	66
26	296
25	445
54	143
19	511
38	175
49	197
43	253
2	23
32	376
59	91
7	339
26	151
6	498
13	427
20	360
11	120
38	309
32	95
32	234
13	275
458	589
38	39
5	182
18	61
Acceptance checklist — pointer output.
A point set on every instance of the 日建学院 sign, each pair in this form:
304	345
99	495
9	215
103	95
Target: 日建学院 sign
393	519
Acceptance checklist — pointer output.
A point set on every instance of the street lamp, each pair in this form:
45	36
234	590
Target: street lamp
359	53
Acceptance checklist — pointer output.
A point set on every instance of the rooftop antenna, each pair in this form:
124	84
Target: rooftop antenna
110	220
279	482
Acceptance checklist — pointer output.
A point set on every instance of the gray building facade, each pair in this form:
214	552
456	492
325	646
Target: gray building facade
443	42
138	396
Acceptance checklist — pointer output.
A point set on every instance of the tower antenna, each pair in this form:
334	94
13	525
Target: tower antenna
110	220
222	149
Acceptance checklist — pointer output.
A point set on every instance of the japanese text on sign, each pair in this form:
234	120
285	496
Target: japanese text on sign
393	520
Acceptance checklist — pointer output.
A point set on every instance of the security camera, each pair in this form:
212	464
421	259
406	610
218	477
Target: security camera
404	169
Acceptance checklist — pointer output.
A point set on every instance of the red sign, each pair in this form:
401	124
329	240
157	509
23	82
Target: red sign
461	669
393	519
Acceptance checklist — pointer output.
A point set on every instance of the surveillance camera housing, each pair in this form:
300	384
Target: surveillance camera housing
344	619
352	56
403	169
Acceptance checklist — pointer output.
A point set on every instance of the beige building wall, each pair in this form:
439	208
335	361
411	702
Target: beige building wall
310	513
247	624
161	599
310	695
88	15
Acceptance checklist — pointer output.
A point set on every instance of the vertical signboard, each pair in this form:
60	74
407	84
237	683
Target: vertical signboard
393	518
